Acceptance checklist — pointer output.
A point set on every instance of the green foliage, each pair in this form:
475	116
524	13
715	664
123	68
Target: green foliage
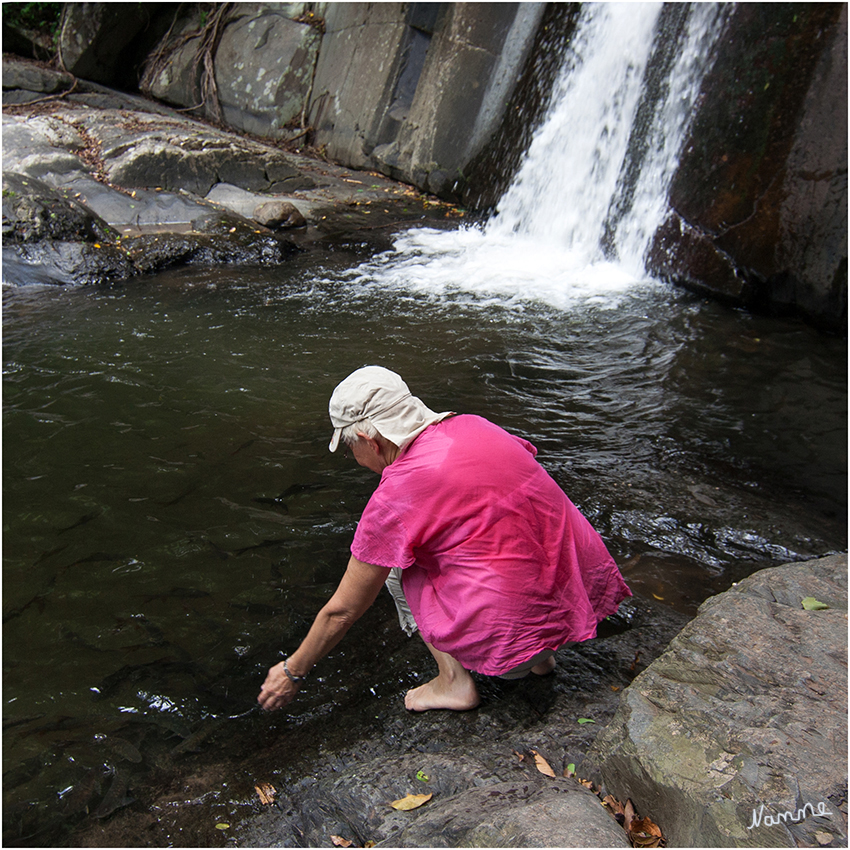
42	17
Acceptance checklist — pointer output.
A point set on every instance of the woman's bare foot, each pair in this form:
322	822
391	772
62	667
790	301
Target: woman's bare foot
460	695
453	688
544	667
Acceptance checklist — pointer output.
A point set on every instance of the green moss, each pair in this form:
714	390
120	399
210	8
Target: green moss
42	17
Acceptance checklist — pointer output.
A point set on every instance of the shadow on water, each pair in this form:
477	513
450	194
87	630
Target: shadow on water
173	518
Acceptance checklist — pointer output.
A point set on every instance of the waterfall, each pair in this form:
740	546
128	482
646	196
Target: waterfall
592	188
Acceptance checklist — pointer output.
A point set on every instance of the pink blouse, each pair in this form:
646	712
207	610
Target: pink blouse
499	564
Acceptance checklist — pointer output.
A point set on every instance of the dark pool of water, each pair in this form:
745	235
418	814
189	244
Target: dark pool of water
172	517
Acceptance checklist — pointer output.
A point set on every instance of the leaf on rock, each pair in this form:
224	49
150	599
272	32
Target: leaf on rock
629	815
613	805
422	776
812	604
644	833
542	765
222	826
571	770
411	801
339	841
584	720
266	792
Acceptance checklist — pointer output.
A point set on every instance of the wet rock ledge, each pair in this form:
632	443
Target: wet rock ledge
101	186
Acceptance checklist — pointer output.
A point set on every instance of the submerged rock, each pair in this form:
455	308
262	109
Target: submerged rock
743	719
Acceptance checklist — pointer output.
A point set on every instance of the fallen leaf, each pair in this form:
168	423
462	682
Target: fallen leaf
542	765
422	776
340	842
222	826
613	802
584	720
587	784
520	756
369	844
571	770
629	815
644	833
812	604
614	806
615	687
823	837
266	792
411	801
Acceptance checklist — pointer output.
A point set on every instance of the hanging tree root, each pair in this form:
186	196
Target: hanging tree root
205	88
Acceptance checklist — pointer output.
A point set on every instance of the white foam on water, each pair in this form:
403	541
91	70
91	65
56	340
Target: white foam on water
543	243
505	267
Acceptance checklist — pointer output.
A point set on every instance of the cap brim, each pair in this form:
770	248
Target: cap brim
334	443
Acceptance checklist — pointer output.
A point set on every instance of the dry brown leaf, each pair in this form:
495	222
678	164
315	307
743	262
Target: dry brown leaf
613	804
629	815
520	756
542	765
586	782
266	792
338	841
411	801
644	833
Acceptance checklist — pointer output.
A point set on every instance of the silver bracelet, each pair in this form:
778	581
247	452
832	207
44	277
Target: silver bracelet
289	675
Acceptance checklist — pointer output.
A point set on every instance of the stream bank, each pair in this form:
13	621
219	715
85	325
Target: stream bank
103	186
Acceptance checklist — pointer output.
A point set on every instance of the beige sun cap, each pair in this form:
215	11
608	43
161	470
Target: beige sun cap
381	396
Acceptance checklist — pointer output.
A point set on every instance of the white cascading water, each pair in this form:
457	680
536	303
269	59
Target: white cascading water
544	241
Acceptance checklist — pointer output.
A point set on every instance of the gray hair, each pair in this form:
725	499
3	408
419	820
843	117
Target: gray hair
349	434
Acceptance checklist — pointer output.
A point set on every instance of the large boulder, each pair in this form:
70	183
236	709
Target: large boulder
737	734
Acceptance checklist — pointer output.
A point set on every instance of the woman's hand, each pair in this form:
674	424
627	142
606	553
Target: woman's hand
360	585
278	690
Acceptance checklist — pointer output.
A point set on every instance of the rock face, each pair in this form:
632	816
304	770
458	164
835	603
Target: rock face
760	197
415	90
104	42
264	63
743	719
